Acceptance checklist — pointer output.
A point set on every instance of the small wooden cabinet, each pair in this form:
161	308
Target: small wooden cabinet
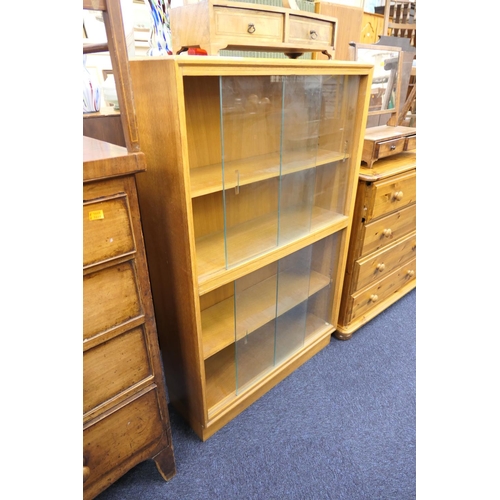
381	265
384	140
247	203
125	414
214	25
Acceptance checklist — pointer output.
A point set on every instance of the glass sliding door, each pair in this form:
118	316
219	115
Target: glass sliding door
299	148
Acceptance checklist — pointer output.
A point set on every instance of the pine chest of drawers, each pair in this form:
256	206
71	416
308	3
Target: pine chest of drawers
381	263
125	414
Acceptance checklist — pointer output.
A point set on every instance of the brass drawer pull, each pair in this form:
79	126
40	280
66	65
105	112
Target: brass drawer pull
251	28
374	298
381	267
387	233
410	273
313	34
398	196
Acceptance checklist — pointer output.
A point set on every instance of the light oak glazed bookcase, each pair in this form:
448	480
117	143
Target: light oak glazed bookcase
246	205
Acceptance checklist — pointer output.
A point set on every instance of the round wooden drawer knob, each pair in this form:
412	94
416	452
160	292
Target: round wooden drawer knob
381	267
410	273
86	471
374	298
398	195
387	232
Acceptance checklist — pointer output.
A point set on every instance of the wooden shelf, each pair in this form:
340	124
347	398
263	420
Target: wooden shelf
257	236
208	179
220	369
218	320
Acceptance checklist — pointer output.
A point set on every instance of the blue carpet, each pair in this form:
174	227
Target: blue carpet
342	426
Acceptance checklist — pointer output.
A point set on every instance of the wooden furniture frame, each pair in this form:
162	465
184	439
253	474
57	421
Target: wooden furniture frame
117	47
225	281
214	25
400	19
393	81
126	417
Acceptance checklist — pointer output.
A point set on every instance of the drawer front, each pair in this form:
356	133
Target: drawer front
110	298
248	24
305	30
411	143
391	194
114	366
385	231
107	230
388	148
371	296
112	441
383	262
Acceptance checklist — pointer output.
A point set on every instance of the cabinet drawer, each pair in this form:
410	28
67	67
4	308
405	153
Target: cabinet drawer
310	31
110	442
368	297
114	366
390	194
411	143
246	24
107	230
382	232
110	298
383	262
388	148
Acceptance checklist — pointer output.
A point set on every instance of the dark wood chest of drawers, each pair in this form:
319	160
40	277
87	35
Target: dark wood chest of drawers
125	413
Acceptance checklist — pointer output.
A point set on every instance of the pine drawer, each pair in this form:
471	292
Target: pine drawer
384	231
107	229
385	196
383	262
411	143
303	29
363	300
248	24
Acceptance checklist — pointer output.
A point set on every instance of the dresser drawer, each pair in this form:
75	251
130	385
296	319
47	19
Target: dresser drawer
363	300
113	367
386	230
248	24
110	298
107	230
388	148
381	263
110	442
411	143
311	31
388	195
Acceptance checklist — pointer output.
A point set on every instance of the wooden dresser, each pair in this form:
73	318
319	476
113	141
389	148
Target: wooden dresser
381	264
125	414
